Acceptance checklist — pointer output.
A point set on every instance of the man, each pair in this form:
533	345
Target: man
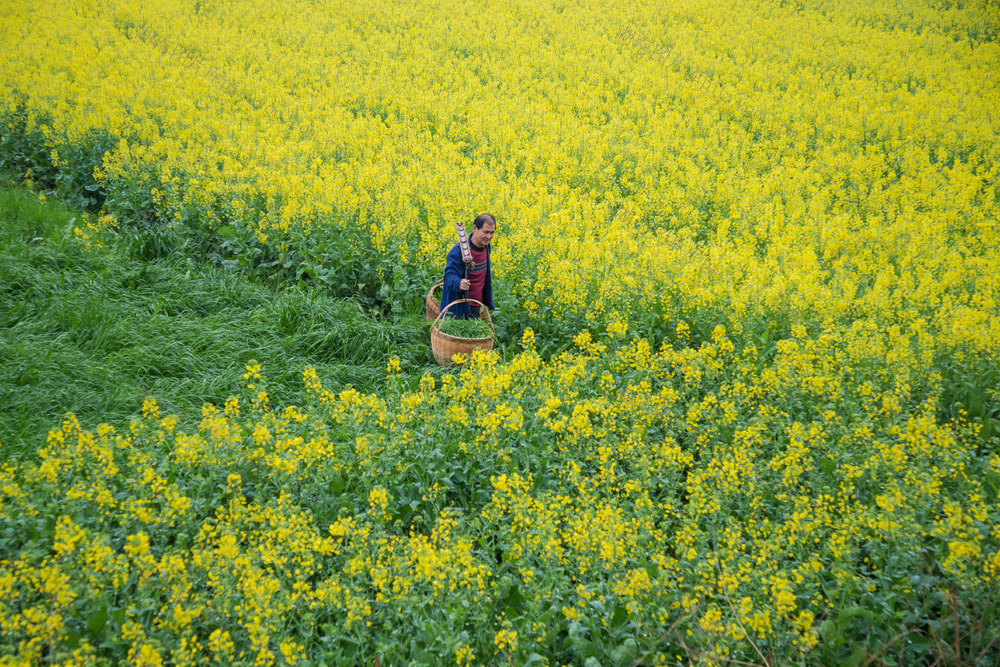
473	281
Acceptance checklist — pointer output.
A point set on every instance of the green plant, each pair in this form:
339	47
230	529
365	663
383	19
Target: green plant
466	328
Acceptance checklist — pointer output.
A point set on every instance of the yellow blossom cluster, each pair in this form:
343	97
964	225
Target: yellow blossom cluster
620	502
760	164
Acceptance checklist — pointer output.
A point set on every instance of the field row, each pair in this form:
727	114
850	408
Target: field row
761	166
616	503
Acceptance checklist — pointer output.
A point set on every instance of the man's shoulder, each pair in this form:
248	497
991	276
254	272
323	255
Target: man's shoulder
454	256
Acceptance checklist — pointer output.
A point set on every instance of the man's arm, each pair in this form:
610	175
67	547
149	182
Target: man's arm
454	271
488	287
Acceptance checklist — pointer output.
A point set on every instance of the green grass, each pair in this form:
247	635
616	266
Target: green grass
94	332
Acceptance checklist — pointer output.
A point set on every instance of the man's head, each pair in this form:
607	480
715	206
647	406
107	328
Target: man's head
484	229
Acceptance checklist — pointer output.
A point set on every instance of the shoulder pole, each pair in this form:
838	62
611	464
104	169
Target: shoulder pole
463	244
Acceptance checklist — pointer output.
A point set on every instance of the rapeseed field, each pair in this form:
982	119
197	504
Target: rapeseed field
746	259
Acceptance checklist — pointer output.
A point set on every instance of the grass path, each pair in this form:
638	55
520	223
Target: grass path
92	331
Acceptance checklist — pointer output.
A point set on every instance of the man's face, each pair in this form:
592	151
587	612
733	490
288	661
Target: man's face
483	235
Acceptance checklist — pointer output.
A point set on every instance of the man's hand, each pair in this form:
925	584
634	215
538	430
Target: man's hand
464	284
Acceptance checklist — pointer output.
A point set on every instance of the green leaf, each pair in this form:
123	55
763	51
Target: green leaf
97	621
577	632
851	612
619	617
336	485
856	658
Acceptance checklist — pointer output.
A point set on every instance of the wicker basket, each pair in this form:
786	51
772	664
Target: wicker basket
432	303
445	346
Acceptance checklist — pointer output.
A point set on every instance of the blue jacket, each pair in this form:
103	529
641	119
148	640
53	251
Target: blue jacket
454	272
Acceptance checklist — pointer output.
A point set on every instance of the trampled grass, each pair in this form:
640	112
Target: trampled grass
94	332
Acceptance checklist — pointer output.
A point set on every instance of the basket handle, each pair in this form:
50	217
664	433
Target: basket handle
489	318
431	290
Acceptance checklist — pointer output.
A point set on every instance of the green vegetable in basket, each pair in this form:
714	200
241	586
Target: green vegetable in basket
463	328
